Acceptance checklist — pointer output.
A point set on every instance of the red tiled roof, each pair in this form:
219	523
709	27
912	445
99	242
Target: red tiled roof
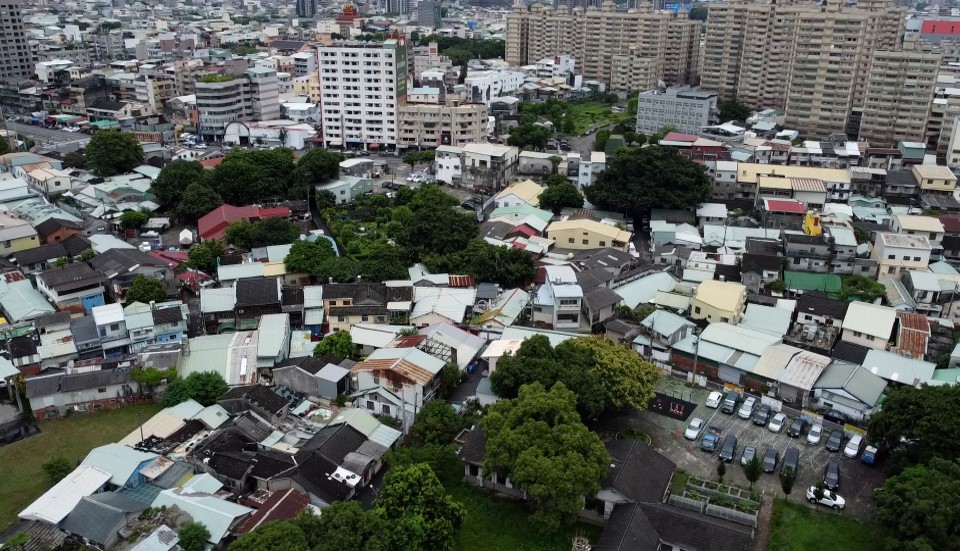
213	224
460	281
210	163
525	230
282	505
951	224
780	205
680	137
170	258
10	277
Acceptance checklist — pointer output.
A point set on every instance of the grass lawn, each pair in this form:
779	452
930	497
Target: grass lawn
23	478
588	115
797	527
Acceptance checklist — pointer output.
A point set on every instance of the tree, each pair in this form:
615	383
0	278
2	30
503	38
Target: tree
532	136
449	379
239	180
151	377
787	478
197	200
918	424
437	230
74	159
204	256
278	535
193	536
600	142
176	177
733	110
57	468
419	512
411	158
308	256
325	200
626	378
637	180
560	196
262	233
112	152
539	439
436	423
146	290
721	469
133	219
506	266
205	387
818	494
317	165
915	507
753	470
343	525
338	344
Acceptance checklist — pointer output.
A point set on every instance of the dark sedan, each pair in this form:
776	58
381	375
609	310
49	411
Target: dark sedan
835	440
831	475
762	416
770	460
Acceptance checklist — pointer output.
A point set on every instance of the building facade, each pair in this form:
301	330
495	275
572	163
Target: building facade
16	58
686	110
432	125
251	96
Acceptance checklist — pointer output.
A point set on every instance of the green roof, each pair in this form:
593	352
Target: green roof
804	281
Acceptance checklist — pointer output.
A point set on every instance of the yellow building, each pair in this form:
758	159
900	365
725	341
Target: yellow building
935	178
721	301
581	234
16	235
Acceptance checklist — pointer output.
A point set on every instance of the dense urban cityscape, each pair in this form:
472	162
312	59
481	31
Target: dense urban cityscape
433	275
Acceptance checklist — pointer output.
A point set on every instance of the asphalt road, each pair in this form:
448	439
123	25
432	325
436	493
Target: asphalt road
50	135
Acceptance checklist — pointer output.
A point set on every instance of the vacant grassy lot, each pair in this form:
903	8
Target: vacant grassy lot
589	115
23	478
797	527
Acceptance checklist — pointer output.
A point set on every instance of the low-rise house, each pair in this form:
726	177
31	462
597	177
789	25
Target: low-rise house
217	308
559	301
232	355
86	338
721	301
659	331
16	235
217	515
517	194
261	400
818	309
899	369
347	304
20	301
99	520
600	304
408	373
433	305
46	256
75	287
504	312
213	224
124	464
869	325
255	298
324	378
57	502
758	271
348	188
724	352
52	396
112	328
463	346
121	266
581	233
273	343
925	226
896	252
850	389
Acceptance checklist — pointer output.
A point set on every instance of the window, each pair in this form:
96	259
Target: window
370	405
586	241
916	259
725	320
386	409
341	319
365	318
696	310
101	390
857	334
871	338
376	380
570	240
114	326
603	243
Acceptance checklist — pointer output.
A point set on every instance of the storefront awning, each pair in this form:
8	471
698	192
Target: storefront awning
334	142
373	146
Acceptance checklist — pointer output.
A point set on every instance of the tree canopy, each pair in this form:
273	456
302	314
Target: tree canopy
57	468
418	510
193	536
146	290
112	152
338	343
174	179
344	525
262	233
436	423
918	424
539	439
280	536
733	110
204	256
560	196
205	387
197	200
605	376
529	136
133	219
483	261
640	179
918	507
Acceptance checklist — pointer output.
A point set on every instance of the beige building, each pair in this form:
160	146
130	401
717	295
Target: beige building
868	325
900	88
719	301
433	125
308	86
581	233
935	178
630	50
895	252
811	60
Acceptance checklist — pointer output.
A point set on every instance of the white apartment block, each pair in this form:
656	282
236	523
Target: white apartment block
304	63
250	96
446	164
361	85
685	109
897	252
589	169
484	86
557	66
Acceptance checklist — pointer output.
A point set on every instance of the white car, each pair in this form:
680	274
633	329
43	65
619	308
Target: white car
853	446
746	409
815	434
693	429
201	146
829	498
714	399
776	424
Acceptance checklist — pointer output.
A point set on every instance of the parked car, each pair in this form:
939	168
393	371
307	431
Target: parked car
770	460
869	455
835	440
713	400
693	429
710	440
816	432
762	416
776	424
730	401
746	410
749	452
831	475
829	499
853	446
796	428
468	205
791	460
729	449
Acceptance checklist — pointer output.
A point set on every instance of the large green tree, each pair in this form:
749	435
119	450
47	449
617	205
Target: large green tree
277	535
196	201
560	196
733	110
146	290
205	387
627	380
918	424
239	180
308	256
438	231
507	266
639	179
416	507
262	233
919	509
338	343
529	136
176	177
193	536
539	440
436	423
112	152
133	219
344	525
317	166
204	255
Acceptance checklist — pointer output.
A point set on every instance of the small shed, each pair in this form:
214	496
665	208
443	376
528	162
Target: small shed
157	224
186	237
333	381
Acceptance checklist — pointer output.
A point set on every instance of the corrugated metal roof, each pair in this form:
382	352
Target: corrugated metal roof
358	418
313	296
274	330
804	369
384	436
57	502
118	460
213	416
218	300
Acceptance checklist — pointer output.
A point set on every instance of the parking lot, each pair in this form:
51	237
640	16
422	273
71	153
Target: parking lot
857	482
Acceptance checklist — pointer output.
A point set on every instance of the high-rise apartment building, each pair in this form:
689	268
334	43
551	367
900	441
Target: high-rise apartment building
899	95
441	123
307	8
361	85
630	50
16	58
250	96
813	60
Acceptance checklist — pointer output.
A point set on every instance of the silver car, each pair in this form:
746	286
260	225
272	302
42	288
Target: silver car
749	452
776	424
815	434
